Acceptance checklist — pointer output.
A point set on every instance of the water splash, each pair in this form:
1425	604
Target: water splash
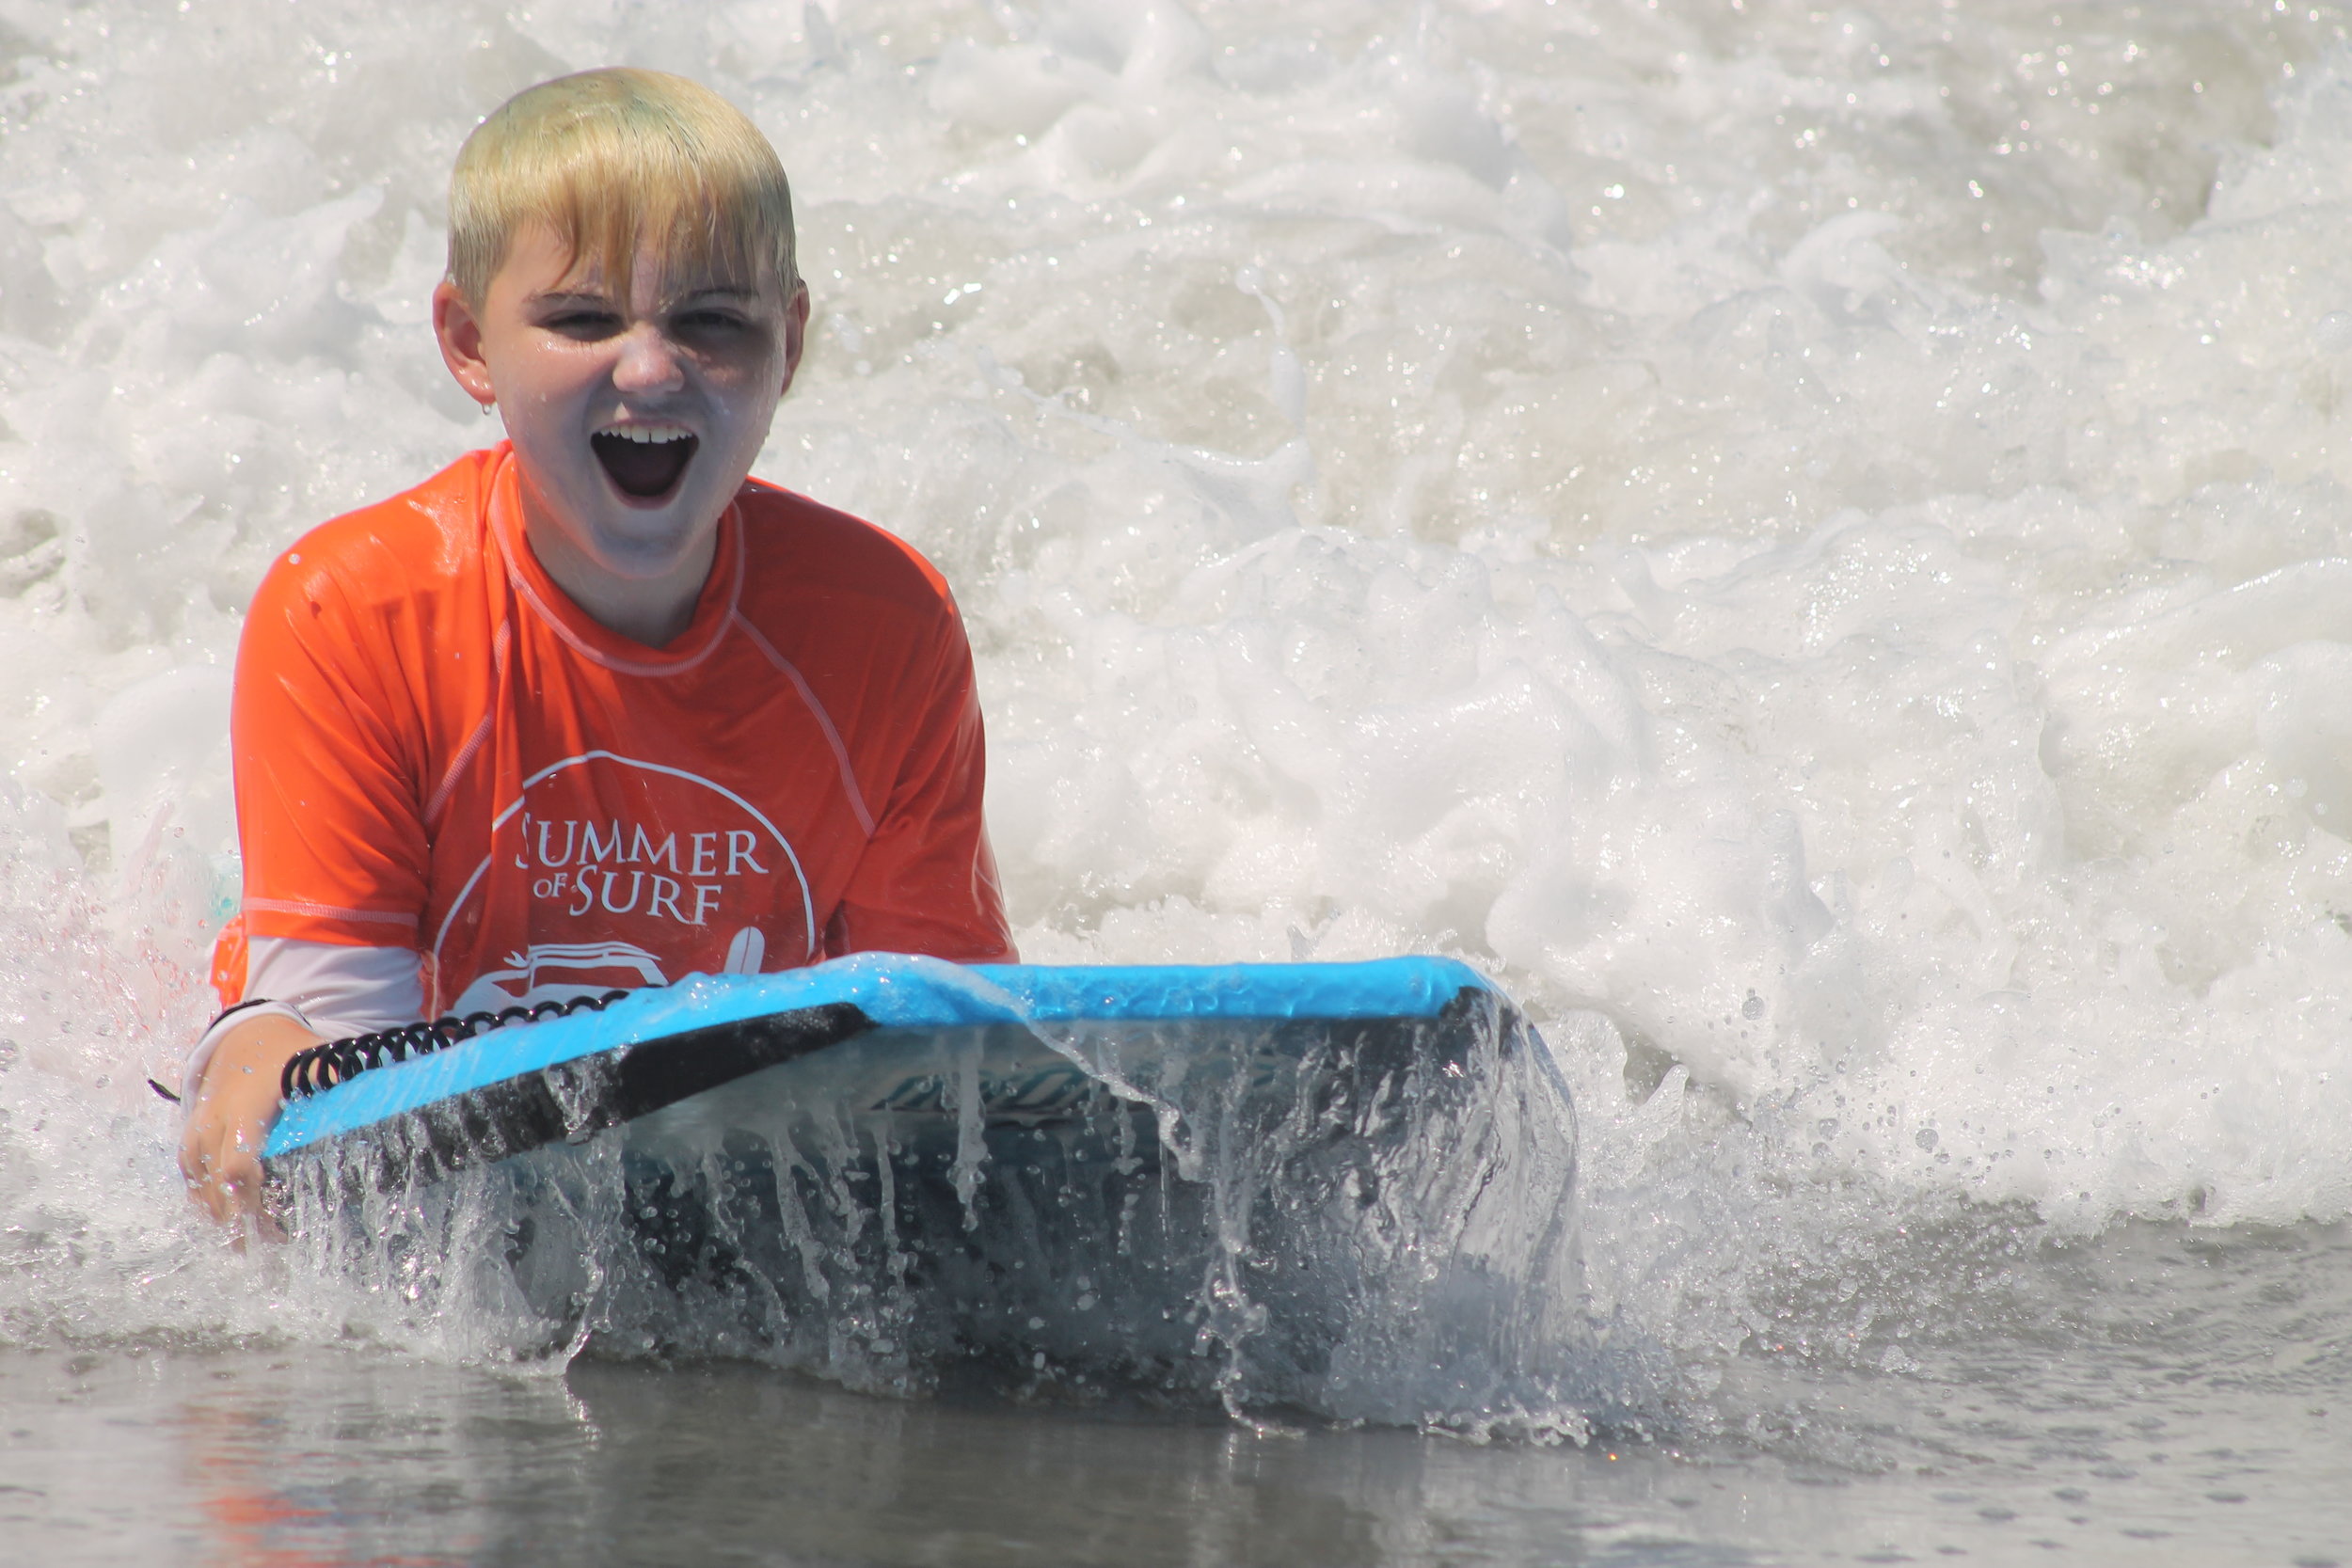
1354	1223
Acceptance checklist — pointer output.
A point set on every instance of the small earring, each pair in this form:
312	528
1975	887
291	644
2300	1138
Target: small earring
489	405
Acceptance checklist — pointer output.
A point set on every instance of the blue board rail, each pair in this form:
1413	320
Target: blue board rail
526	1084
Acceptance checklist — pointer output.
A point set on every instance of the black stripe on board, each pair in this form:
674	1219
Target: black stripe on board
572	1099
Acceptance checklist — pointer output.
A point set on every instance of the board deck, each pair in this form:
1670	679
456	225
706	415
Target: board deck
873	1036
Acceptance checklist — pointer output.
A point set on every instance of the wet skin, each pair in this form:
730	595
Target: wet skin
565	356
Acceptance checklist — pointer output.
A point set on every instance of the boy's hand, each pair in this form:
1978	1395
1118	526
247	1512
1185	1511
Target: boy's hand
220	1154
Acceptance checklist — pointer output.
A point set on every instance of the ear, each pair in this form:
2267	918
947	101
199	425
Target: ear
795	334
460	334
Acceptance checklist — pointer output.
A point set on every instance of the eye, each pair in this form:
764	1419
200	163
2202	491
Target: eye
583	322
712	319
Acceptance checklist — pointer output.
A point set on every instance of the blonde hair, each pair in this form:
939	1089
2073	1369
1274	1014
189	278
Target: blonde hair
611	159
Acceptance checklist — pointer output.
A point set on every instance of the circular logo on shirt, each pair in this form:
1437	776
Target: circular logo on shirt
616	872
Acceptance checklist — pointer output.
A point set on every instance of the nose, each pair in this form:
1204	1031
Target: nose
648	362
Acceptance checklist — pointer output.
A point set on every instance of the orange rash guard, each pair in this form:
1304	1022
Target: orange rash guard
437	750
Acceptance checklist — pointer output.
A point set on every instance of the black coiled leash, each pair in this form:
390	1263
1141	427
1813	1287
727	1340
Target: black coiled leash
323	1065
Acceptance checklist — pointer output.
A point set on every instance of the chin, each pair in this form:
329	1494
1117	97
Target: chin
633	549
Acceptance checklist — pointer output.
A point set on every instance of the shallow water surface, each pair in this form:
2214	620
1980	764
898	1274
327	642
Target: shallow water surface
2144	1398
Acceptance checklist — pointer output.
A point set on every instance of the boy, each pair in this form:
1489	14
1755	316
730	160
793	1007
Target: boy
590	708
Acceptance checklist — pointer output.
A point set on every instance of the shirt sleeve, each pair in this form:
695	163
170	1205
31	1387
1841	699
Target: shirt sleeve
927	882
343	991
326	751
334	990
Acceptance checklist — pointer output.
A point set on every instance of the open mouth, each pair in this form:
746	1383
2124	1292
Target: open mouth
646	460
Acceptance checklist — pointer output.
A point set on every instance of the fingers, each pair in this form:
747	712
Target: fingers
220	1154
223	1171
235	1189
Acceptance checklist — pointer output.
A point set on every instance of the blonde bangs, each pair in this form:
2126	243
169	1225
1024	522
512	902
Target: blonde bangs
610	159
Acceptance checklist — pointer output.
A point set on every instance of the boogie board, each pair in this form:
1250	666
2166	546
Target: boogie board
883	1040
1249	1184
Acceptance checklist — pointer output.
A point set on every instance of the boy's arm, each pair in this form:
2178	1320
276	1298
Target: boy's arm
229	1116
327	753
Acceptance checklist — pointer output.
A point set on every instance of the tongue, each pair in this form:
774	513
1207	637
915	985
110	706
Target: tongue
644	468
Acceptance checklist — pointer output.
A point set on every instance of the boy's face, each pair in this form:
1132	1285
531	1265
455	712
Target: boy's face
634	419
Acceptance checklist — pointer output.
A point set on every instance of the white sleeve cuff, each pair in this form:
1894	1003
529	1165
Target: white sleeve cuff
342	991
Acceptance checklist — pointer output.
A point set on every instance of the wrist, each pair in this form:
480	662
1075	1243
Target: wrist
247	1056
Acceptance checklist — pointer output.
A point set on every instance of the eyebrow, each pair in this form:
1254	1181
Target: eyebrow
571	296
594	296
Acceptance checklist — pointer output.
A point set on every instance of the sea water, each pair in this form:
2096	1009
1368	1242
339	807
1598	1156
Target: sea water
1809	542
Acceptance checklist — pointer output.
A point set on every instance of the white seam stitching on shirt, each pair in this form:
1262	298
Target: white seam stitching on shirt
824	722
481	732
328	911
630	667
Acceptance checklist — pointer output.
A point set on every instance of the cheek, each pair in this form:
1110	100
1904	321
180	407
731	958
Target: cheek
744	361
738	379
755	373
545	376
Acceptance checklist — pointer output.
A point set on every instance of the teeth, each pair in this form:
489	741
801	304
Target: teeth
647	434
